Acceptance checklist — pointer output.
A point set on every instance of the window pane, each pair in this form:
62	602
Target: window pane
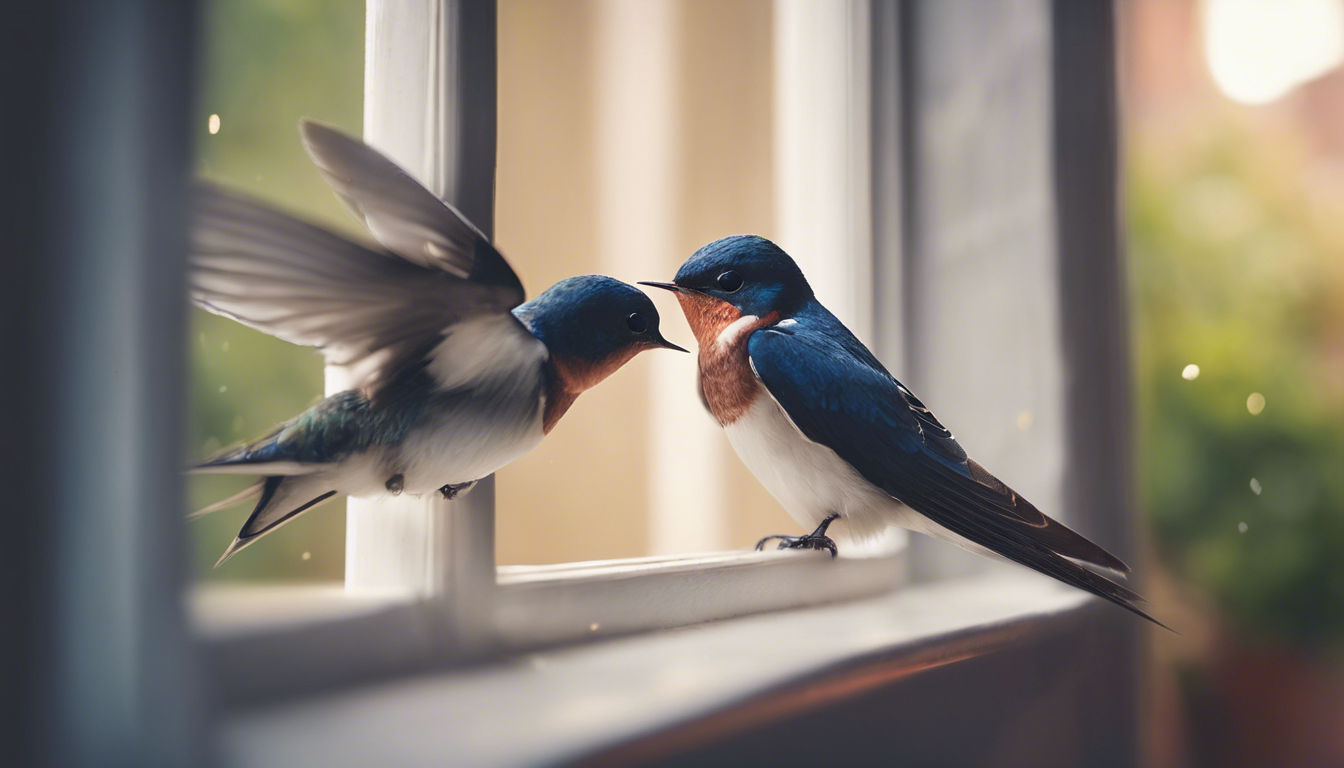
266	64
631	134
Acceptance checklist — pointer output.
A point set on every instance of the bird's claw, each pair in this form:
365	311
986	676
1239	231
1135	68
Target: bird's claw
814	540
811	541
450	492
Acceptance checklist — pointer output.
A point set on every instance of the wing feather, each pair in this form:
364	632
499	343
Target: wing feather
363	307
377	311
404	216
876	425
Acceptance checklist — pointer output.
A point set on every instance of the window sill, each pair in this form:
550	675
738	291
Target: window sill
321	636
647	695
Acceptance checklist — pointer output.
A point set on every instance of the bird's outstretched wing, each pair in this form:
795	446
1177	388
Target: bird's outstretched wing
876	425
403	216
376	310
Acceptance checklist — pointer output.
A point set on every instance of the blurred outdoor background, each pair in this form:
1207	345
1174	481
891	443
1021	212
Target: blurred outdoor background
1233	134
1233	117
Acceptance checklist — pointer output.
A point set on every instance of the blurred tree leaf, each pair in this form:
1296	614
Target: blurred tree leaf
1236	272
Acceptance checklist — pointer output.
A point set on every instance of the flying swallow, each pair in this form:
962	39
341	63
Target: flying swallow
833	436
452	375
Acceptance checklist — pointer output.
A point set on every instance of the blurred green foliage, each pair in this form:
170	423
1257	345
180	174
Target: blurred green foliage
267	63
1236	238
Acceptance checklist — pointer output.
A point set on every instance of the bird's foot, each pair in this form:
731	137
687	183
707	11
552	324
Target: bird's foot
451	492
801	542
815	540
395	484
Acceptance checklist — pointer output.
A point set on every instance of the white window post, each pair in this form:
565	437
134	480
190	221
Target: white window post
824	163
429	103
823	151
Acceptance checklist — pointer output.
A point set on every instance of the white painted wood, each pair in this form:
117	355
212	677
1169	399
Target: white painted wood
823	151
550	708
316	636
544	606
428	68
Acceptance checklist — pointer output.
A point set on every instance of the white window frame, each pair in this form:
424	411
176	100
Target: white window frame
413	609
105	666
421	586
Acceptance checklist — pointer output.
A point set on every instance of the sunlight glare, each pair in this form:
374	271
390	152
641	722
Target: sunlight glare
1259	50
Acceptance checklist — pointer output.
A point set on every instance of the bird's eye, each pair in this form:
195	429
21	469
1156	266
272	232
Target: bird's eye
730	281
636	323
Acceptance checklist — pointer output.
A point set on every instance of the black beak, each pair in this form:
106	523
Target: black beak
665	286
660	341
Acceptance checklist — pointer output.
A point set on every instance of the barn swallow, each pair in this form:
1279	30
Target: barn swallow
453	376
833	436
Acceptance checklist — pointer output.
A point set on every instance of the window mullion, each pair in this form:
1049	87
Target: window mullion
826	148
823	150
429	103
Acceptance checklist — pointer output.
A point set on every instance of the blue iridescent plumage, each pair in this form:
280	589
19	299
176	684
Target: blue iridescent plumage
838	402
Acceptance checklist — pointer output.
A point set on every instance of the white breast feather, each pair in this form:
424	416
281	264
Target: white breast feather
499	359
811	481
807	478
728	336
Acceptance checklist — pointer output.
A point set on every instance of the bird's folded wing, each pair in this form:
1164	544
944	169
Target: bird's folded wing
404	216
894	442
366	308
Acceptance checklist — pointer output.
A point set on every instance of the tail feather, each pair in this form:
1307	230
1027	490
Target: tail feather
1010	537
283	498
1026	550
262	456
247	493
1088	581
1065	541
1046	530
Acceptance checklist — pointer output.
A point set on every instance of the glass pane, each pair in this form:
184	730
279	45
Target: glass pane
630	134
266	64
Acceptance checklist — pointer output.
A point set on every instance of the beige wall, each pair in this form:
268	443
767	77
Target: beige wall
571	201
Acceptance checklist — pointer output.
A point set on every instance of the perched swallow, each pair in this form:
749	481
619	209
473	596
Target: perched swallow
832	435
453	376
